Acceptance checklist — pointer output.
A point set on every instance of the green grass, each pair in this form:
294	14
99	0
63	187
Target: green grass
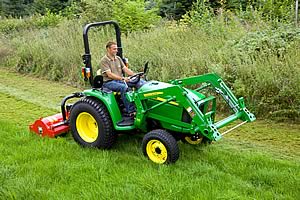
260	160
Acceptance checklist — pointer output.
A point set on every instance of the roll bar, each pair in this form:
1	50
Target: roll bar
87	54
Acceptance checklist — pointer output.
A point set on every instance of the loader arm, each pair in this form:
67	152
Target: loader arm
214	81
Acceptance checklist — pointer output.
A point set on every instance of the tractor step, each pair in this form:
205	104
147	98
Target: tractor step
126	121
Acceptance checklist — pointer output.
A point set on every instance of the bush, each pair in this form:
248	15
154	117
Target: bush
94	10
268	42
133	16
10	25
47	20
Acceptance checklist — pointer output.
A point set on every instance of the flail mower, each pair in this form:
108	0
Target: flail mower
165	112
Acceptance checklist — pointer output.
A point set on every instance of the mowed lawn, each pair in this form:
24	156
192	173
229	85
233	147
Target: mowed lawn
260	160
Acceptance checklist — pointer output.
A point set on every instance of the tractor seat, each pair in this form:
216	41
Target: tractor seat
98	84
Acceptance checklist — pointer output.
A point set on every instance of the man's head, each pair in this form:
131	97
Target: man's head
112	48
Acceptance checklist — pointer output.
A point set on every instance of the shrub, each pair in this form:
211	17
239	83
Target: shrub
47	20
133	16
94	10
10	25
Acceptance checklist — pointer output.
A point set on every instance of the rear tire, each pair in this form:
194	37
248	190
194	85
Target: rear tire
91	125
160	147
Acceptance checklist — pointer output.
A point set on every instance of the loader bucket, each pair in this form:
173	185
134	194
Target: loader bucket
51	126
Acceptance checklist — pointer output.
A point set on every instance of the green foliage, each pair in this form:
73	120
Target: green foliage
277	10
174	9
200	14
12	25
268	42
95	10
272	57
268	10
75	10
51	53
133	16
47	20
54	6
20	8
14	8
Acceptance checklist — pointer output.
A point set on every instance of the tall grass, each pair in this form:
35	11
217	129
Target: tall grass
259	63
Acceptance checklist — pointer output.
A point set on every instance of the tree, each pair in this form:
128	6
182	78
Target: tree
14	8
54	6
175	9
17	8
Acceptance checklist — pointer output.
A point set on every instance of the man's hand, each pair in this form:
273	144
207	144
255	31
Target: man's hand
126	79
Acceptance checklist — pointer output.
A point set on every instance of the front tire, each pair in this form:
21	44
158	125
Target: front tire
160	147
91	125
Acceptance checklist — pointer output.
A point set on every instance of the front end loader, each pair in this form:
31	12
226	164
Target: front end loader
165	112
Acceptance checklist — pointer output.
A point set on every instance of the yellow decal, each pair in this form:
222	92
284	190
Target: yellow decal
152	94
171	102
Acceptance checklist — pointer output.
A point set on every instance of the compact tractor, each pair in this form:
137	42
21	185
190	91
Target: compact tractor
165	112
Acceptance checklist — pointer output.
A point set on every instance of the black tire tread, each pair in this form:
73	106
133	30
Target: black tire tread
107	137
167	139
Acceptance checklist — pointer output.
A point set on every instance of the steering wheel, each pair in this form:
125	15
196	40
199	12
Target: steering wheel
135	78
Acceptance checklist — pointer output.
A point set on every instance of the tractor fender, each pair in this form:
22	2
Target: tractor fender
109	100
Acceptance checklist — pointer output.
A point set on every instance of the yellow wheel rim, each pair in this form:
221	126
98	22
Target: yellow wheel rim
190	141
157	151
87	127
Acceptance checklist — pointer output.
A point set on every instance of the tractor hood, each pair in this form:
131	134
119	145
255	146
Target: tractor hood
151	86
154	88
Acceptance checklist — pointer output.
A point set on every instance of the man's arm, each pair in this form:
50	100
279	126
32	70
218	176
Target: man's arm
113	76
127	71
116	77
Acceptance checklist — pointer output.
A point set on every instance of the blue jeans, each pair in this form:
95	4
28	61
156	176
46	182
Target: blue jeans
120	86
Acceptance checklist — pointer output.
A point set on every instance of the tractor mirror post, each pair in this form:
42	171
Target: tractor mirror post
146	70
146	67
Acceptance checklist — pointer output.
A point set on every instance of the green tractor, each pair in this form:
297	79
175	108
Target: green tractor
165	112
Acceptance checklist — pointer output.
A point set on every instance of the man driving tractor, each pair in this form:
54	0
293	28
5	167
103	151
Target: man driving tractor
112	68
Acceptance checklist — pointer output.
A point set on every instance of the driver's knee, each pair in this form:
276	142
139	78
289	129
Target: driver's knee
124	88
